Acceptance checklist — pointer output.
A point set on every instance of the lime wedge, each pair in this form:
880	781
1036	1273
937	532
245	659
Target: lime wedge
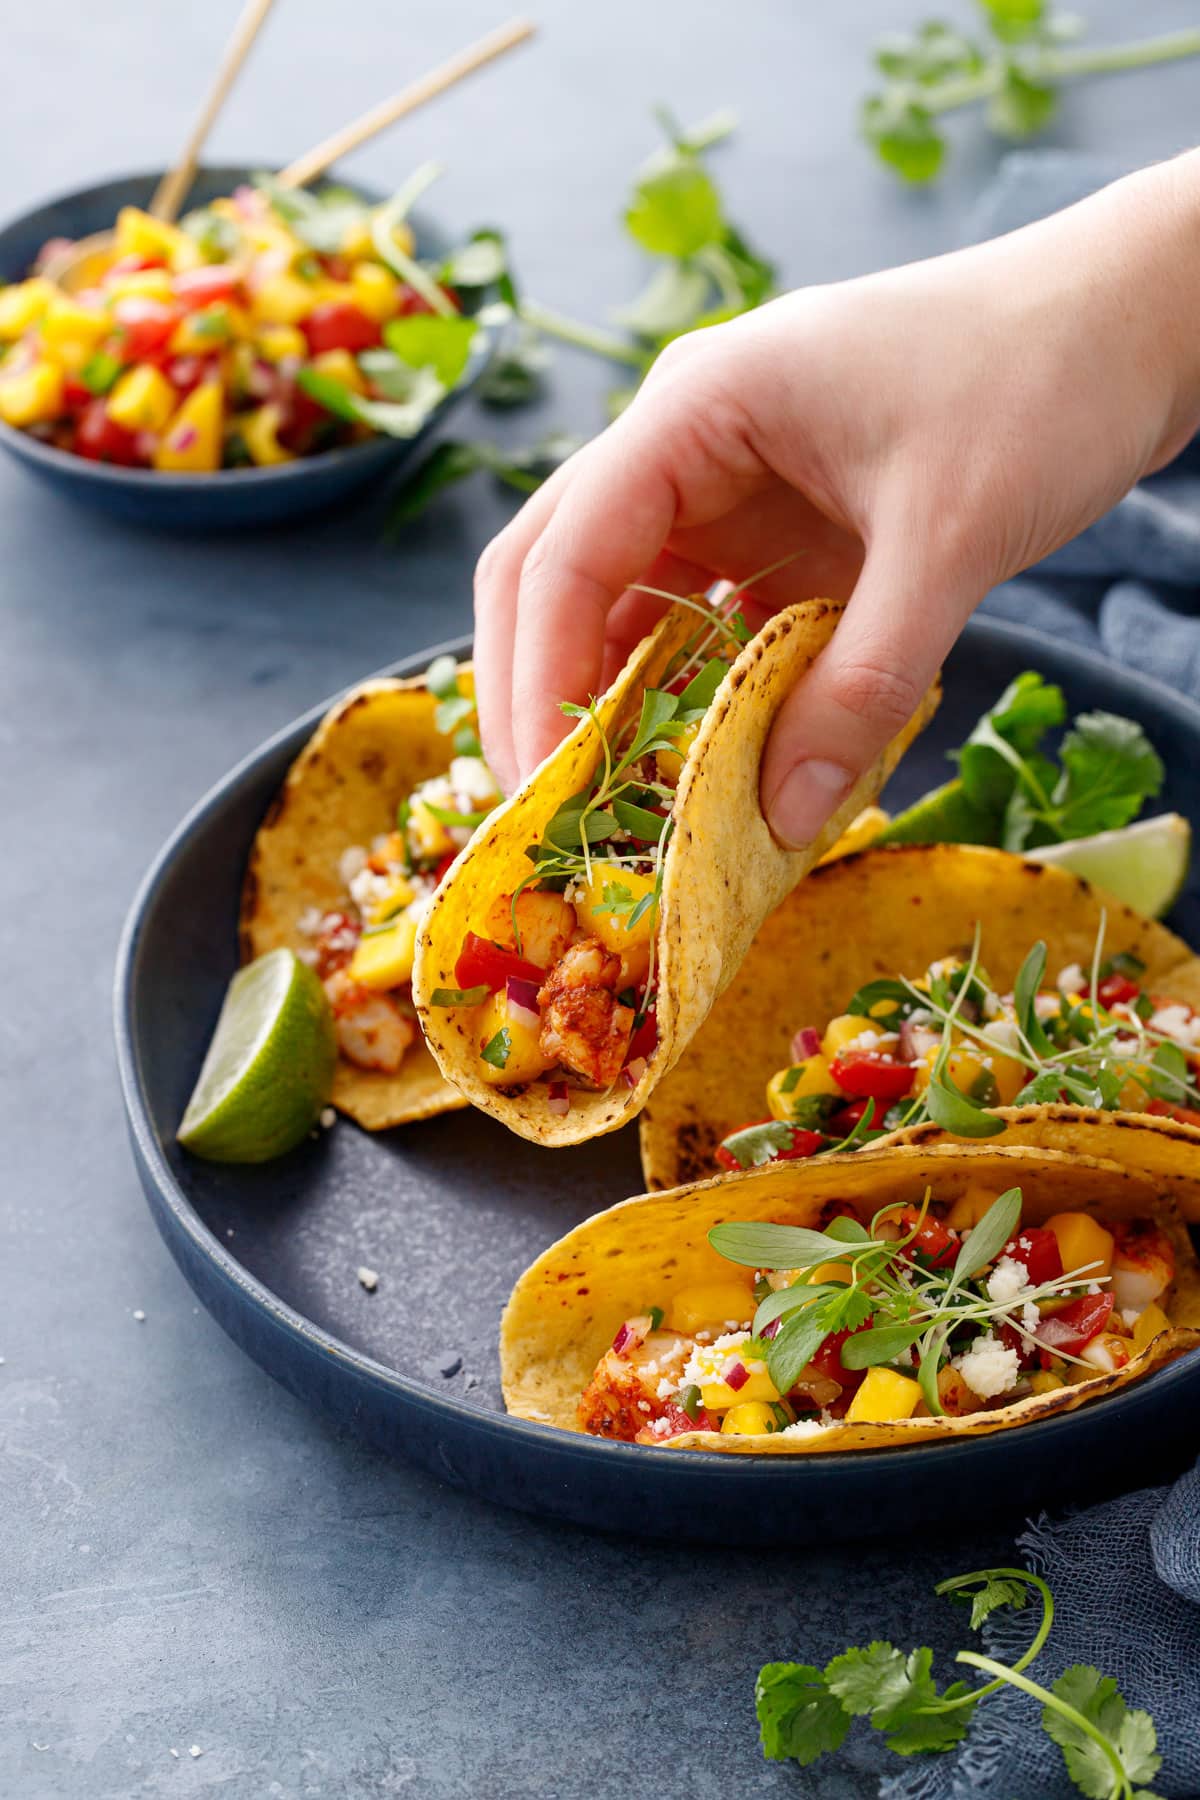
943	816
1145	865
269	1068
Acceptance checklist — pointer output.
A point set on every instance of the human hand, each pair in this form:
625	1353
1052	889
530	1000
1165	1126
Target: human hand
918	436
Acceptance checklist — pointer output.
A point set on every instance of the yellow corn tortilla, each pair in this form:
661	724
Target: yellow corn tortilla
565	1310
367	755
893	911
723	871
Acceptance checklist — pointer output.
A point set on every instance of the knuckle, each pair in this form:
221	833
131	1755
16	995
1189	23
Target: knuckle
876	693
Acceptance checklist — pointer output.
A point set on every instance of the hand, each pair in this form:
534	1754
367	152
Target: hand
918	436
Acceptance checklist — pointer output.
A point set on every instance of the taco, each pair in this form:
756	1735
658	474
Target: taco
942	986
861	1302
578	945
372	813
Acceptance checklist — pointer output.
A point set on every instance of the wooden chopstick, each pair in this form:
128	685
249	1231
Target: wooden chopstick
496	43
172	190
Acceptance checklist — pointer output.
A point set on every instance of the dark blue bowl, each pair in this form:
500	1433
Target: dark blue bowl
230	499
451	1210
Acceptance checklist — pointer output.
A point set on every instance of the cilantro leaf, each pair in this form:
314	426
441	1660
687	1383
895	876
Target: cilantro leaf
995	1590
883	1682
426	341
795	1343
903	134
496	1050
1021	105
882	1344
670	303
676	209
1109	770
922	1731
955	1111
1131	1734
798	1717
1028	708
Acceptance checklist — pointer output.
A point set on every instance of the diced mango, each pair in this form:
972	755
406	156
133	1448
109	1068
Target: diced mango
669	763
713	1306
1150	1321
142	400
282	299
400	894
542	923
783	1091
192	441
32	396
969	1208
204	331
138	234
844	1030
23	304
374	290
524	1061
830	1271
260	434
717	1393
613	928
342	367
357	240
753	1418
884	1396
1046	1383
1108	1351
140	284
427	835
1083	1243
65	324
277	341
383	958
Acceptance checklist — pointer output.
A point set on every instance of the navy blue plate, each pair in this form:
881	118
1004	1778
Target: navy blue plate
229	499
450	1211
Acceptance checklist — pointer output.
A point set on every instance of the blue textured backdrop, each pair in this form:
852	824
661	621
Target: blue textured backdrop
189	1558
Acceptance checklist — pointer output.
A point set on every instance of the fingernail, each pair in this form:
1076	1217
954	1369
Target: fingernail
805	799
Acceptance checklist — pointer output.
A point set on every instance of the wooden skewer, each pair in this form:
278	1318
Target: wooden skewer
172	190
314	162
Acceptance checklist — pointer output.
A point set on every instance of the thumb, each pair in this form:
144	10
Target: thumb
862	690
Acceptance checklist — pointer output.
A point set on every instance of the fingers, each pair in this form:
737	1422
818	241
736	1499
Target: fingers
862	690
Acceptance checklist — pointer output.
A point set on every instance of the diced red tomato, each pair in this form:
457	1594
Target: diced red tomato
844	1120
1185	1115
1117	990
202	287
145	325
1011	1338
801	1144
935	1243
644	1041
444	865
678	1421
340	325
75	394
827	1359
1073	1329
101	439
868	1077
337	942
484	964
336	267
410	302
132	265
1038	1249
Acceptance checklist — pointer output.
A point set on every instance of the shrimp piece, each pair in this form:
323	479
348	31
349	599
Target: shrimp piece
371	1030
1143	1265
584	1025
337	940
622	1397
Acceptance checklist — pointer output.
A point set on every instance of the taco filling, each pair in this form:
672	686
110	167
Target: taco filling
944	1046
363	947
559	974
923	1312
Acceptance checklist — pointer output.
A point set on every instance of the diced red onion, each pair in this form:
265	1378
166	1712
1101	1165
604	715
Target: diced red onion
769	1331
559	1102
737	1377
806	1043
634	1071
623	1337
915	1040
521	1000
183	440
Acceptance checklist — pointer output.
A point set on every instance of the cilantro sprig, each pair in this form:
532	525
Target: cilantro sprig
1011	793
804	1712
1014	71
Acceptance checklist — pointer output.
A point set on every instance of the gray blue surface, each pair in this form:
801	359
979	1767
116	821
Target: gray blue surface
188	1558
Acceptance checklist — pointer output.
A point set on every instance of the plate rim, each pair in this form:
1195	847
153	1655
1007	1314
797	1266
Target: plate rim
172	1196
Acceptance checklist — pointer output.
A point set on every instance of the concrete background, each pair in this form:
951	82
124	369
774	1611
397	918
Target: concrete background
186	1556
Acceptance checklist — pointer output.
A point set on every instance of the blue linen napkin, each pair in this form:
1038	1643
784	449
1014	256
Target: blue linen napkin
1126	1575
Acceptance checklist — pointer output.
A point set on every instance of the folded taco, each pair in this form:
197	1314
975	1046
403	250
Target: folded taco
370	817
945	987
860	1302
578	945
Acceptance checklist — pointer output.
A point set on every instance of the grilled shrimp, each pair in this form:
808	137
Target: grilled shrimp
371	1029
1143	1265
622	1396
584	1025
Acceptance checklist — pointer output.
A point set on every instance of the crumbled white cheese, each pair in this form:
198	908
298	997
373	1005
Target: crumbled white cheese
328	1118
803	1428
993	1007
309	921
306	954
643	1406
665	1388
472	780
1093	1287
1129	1316
1005	1034
1031	1318
368	889
351	862
139	1315
1071	980
715	1361
195	1750
988	1367
1008	1279
1045	1005
368	1279
436	792
1178	1022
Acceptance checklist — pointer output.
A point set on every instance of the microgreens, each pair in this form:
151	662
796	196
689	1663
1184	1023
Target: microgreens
1015	73
805	1712
892	1304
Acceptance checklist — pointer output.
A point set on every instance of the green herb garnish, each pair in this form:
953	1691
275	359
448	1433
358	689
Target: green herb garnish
497	1049
460	997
